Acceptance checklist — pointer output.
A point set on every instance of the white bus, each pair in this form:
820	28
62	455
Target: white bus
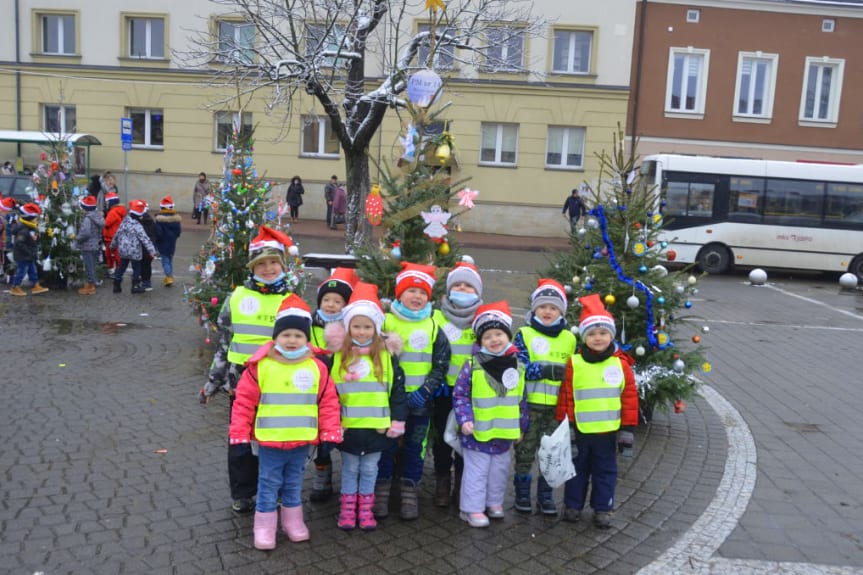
798	215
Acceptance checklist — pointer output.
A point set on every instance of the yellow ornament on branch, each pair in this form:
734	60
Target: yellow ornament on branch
434	5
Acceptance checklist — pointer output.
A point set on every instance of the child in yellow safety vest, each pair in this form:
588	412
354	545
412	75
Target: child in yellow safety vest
371	388
599	396
286	402
491	411
425	361
544	344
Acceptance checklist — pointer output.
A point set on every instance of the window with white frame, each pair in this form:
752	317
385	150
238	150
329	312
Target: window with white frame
822	89
444	56
319	40
756	84
227	123
147	128
571	53
686	85
146	37
236	42
58	34
499	144
318	137
693	16
59	119
565	147
505	48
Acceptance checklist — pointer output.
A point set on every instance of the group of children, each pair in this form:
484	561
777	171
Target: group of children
371	383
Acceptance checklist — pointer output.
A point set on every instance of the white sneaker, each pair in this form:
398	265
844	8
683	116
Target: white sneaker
474	519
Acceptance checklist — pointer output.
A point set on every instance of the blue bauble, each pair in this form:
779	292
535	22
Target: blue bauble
663	245
588	286
660	300
643	269
687	305
649	213
396	253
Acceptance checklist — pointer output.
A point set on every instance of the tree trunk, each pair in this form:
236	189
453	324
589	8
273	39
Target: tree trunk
357	230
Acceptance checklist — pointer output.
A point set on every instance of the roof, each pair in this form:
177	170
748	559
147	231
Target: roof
47	138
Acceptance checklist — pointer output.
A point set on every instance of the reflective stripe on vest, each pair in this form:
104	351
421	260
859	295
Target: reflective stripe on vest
596	390
288	409
461	347
252	317
365	402
495	417
415	361
546	350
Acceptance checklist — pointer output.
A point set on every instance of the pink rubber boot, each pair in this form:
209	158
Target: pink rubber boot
293	524
348	511
367	518
265	530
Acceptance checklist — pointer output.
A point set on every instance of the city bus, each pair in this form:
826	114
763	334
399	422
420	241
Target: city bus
722	212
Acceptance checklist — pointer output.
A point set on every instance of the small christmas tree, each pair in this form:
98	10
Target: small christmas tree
619	254
239	208
412	204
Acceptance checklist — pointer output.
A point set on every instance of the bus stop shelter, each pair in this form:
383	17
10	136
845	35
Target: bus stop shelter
80	145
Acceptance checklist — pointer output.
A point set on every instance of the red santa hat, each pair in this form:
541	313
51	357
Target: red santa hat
7	205
594	314
167	203
30	210
111	198
415	275
364	302
465	272
294	313
88	203
548	291
137	207
495	315
342	282
269	243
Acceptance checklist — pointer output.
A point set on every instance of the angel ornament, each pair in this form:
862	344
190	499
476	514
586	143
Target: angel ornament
436	219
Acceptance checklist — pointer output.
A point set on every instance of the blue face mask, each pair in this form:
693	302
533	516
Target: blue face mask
328	317
487	352
269	283
362	343
463	299
293	354
410	314
553	323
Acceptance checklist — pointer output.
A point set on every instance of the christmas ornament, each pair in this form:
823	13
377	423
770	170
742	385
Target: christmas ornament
687	304
567	288
639	351
660	300
609	299
436	219
444	248
678	365
214	300
467	258
659	270
424	87
679	289
466	196
691	280
663	245
409	143
237	172
581	232
696	339
642	269
705	329
706	367
671	255
679	406
442	153
396	251
374	206
632	301
434	5
207	340
758	277
662	339
592	223
639	249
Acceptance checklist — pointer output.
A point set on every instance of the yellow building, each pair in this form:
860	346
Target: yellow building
523	139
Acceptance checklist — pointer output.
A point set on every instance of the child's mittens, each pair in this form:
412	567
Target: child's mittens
332	436
467	428
419	397
397	429
625	442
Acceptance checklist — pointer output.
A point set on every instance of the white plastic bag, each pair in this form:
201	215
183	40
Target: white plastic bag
555	456
450	432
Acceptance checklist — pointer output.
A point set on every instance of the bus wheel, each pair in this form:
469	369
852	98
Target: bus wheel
714	259
856	268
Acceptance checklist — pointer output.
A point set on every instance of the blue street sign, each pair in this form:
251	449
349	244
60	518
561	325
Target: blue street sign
127	146
126	132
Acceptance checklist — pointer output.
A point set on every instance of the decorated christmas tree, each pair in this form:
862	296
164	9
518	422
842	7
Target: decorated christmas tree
240	206
619	253
412	203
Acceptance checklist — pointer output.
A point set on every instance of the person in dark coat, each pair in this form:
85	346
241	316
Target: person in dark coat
576	208
147	261
294	197
168	230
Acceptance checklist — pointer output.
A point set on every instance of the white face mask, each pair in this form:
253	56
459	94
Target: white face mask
292	354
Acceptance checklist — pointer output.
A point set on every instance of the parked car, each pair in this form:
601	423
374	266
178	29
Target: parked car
17	187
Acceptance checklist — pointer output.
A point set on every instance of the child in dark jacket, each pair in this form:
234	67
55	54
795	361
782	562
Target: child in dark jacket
87	240
599	396
168	230
131	242
149	226
25	250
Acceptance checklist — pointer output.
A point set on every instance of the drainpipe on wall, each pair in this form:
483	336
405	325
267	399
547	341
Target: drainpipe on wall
18	74
639	57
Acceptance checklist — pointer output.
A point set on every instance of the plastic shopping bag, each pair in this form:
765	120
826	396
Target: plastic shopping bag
450	433
555	456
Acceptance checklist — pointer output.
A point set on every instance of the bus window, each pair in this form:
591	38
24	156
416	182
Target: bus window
844	204
701	200
793	202
744	199
676	198
693	199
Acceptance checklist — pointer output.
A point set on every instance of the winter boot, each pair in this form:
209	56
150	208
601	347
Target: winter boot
443	485
410	508
522	493
348	511
38	288
88	289
602	519
545	497
168	281
137	287
118	286
322	483
293	524
366	517
265	530
381	507
16	290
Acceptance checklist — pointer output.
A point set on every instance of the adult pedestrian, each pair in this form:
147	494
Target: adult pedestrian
107	185
329	196
294	197
202	187
576	208
340	207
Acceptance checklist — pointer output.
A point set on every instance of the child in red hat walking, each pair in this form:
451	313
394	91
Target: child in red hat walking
599	396
131	241
25	250
168	230
87	240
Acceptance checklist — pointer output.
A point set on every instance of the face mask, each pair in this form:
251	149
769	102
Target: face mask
362	343
410	314
550	324
328	317
294	354
463	299
487	352
280	277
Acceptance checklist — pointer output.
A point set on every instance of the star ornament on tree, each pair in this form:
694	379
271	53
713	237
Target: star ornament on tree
434	5
466	196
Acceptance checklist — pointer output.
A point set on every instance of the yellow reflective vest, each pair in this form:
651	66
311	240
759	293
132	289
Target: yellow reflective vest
461	343
495	417
288	408
596	390
365	402
416	357
546	350
252	317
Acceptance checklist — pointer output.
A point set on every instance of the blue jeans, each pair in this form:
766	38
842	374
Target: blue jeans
280	476
90	258
412	451
168	265
25	268
121	269
359	473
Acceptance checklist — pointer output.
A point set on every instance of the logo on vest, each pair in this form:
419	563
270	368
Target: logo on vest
539	345
250	305
418	340
452	332
510	378
612	375
360	369
303	379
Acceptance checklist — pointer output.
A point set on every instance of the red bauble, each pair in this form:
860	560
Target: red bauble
637	225
671	255
237	172
650	243
679	406
55	166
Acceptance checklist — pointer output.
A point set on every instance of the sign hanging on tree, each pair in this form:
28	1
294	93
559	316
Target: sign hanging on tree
424	88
